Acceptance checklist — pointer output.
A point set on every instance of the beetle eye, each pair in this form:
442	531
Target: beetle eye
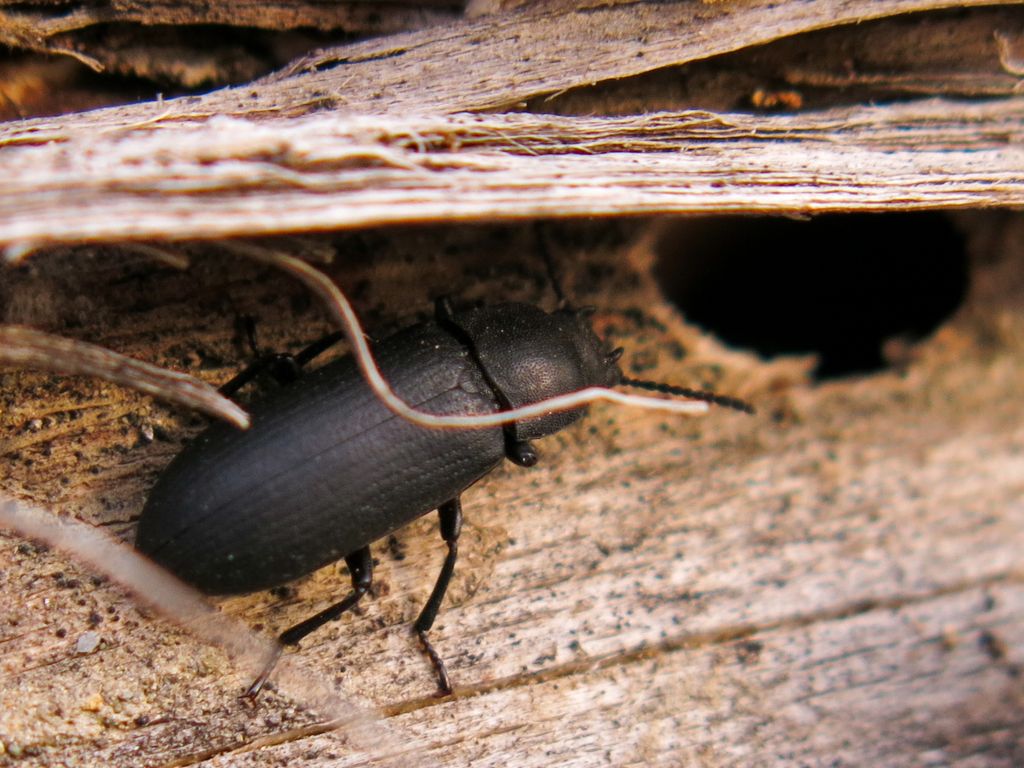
615	355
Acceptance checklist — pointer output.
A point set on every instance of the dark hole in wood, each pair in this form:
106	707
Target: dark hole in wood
840	286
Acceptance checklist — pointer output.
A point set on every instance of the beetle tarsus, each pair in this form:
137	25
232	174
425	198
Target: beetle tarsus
257	685
360	566
444	683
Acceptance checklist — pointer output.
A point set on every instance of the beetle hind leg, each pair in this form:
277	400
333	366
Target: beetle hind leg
450	514
360	566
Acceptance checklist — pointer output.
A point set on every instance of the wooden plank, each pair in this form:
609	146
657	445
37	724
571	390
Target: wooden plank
838	578
497	62
227	177
885	686
383	145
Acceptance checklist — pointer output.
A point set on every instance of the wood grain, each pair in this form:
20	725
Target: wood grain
228	177
253	160
499	62
837	579
31	25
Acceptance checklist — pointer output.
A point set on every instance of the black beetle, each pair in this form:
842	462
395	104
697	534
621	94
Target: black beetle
326	469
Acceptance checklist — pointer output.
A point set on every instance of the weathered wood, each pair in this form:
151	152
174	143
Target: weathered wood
870	61
853	690
499	61
171	171
171	45
34	26
837	579
232	177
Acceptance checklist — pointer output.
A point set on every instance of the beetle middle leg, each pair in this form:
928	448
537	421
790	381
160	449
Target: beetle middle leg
450	514
360	566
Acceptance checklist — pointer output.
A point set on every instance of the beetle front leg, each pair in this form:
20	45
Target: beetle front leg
360	566
450	514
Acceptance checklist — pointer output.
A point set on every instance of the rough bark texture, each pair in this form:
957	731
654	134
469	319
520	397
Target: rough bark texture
835	581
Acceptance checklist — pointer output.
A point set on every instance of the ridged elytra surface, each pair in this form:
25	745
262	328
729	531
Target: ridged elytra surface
325	469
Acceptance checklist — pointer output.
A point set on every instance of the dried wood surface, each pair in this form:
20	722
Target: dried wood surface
499	61
230	177
836	580
176	46
252	160
35	25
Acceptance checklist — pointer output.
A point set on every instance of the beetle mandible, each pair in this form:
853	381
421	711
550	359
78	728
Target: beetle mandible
327	469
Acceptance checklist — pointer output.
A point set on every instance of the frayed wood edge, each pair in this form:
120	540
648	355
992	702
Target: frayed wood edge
28	348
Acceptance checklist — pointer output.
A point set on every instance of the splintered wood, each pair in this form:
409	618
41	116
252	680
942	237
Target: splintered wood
234	177
386	144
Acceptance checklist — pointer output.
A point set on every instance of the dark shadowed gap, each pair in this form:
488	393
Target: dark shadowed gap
839	286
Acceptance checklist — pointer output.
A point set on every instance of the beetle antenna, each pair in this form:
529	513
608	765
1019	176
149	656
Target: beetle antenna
549	262
693	394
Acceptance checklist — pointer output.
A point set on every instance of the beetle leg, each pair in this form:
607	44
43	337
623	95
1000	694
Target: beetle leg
281	366
444	312
450	514
284	367
360	566
317	348
517	451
